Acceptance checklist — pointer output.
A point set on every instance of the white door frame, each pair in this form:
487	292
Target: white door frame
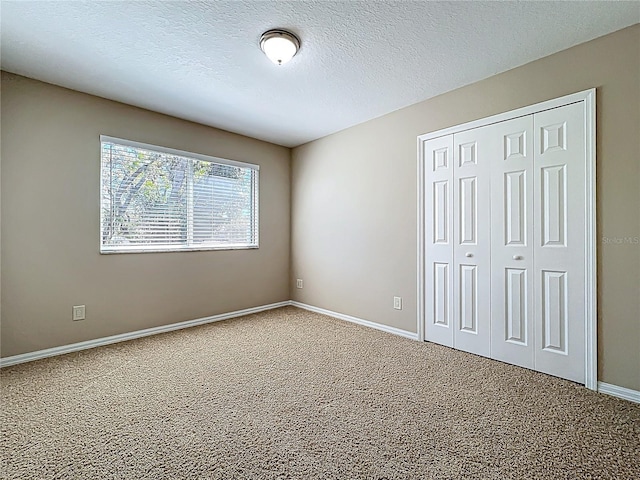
588	97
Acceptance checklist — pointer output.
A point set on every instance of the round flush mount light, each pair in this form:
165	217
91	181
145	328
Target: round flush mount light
279	45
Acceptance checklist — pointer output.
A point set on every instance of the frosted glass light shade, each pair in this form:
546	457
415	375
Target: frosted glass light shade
279	45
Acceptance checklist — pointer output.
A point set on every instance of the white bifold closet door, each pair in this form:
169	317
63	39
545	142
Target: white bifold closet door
512	219
471	245
559	245
504	241
457	238
537	244
438	182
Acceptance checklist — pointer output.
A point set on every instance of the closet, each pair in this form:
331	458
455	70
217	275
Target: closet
508	238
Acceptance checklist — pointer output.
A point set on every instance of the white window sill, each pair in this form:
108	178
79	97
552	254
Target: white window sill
158	249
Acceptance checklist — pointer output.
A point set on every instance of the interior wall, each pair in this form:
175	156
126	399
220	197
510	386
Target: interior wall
354	195
51	231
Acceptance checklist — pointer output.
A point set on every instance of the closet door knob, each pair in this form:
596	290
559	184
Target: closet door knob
469	255
517	257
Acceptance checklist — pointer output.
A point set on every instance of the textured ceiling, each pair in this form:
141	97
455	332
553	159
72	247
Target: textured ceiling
359	60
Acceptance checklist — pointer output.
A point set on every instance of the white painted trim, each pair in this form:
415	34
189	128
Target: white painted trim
620	392
421	242
98	342
519	112
359	321
591	277
589	100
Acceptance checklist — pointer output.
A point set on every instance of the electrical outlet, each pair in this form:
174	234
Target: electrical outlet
78	312
299	283
397	303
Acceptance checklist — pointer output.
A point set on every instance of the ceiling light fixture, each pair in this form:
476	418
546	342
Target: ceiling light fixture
279	45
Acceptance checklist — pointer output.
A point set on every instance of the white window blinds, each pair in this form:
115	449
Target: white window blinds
159	199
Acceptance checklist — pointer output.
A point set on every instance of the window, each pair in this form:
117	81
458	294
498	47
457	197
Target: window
158	199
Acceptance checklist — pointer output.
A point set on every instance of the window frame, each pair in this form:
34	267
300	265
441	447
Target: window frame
111	249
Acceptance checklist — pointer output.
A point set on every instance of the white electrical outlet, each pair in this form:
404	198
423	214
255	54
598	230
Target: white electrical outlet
78	312
299	283
397	303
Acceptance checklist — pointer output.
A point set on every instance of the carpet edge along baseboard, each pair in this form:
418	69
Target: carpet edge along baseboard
123	337
603	387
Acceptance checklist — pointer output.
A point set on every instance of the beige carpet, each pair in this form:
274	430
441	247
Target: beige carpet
292	394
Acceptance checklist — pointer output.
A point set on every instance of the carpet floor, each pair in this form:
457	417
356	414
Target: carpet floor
289	394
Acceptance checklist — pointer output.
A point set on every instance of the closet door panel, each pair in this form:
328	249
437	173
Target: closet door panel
559	245
471	233
512	338
438	221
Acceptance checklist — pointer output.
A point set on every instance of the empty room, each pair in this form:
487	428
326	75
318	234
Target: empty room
320	240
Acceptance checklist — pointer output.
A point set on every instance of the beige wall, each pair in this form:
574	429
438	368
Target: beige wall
50	224
354	195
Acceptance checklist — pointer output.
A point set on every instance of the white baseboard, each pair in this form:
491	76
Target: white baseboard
359	321
98	342
620	392
607	388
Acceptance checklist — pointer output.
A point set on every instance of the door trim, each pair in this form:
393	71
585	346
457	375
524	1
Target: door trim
588	98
